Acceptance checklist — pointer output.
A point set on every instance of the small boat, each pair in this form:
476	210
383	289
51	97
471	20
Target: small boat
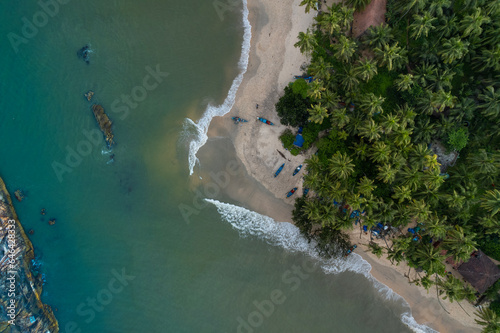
296	171
305	191
292	191
351	249
279	170
265	121
239	120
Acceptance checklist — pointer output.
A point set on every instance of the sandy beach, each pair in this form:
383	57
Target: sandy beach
273	63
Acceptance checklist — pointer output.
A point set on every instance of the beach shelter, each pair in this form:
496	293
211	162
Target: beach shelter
480	271
299	141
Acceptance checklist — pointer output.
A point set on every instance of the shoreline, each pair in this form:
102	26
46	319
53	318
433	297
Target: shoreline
273	60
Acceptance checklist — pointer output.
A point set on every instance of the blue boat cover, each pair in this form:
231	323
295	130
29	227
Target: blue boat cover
299	141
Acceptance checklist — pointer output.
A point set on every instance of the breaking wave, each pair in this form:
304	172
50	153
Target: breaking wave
198	130
287	236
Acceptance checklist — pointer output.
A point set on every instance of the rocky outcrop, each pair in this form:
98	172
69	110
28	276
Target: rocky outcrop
104	123
21	307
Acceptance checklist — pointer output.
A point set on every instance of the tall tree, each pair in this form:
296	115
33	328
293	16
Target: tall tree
310	4
491	105
340	166
422	25
359	5
394	57
307	42
453	49
344	49
489	319
366	69
370	130
404	82
442	99
491	201
372	104
471	25
317	113
379	35
460	243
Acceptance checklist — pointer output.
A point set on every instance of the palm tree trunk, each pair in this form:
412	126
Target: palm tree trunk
437	294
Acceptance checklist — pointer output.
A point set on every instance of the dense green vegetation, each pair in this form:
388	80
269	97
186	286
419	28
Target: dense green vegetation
431	73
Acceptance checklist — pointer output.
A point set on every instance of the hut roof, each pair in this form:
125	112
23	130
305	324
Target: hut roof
480	271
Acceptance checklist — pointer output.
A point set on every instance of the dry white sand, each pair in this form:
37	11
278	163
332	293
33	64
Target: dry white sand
273	62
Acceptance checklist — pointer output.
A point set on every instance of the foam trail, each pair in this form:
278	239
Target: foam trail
287	236
201	127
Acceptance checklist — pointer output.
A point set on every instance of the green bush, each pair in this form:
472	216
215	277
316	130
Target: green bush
292	108
491	247
329	145
458	138
287	138
300	87
495	306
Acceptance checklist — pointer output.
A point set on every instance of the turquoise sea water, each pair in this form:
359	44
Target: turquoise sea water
122	257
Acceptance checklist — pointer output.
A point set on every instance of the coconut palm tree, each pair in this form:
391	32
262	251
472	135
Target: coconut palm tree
359	5
344	49
380	152
460	243
360	149
376	249
386	173
490	224
329	21
390	123
420	209
420	155
491	201
340	117
307	42
379	35
491	99
404	82
425	131
315	90
435	227
312	210
370	130
402	193
309	4
471	25
313	164
340	165
430	259
411	177
395	256
453	49
394	57
484	163
365	186
489	59
432	178
349	79
436	7
489	319
366	69
330	99
320	69
455	289
317	113
372	103
425	73
346	16
422	25
402	136
442	99
431	196
412	6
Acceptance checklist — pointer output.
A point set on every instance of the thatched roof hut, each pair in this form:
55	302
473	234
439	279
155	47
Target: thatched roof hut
480	271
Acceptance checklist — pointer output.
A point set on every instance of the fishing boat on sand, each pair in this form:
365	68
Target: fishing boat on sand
305	191
239	120
351	249
292	191
265	121
279	170
296	171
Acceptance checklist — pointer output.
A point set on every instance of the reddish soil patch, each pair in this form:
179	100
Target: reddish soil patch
374	14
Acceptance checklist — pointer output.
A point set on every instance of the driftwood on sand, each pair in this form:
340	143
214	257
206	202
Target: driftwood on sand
104	123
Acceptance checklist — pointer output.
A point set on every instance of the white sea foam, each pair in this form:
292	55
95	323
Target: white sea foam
287	236
200	128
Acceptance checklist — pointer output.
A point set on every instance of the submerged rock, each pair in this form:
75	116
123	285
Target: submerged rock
22	308
84	53
104	123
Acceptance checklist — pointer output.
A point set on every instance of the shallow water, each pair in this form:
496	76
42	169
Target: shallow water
178	273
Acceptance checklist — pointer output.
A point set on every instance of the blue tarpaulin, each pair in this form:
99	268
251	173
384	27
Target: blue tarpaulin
299	141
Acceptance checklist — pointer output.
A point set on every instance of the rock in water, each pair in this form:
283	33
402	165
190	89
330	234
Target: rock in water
104	123
89	95
19	195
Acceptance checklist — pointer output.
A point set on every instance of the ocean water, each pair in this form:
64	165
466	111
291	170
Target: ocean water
136	247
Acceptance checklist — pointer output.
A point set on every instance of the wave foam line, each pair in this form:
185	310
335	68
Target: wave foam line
287	236
201	127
